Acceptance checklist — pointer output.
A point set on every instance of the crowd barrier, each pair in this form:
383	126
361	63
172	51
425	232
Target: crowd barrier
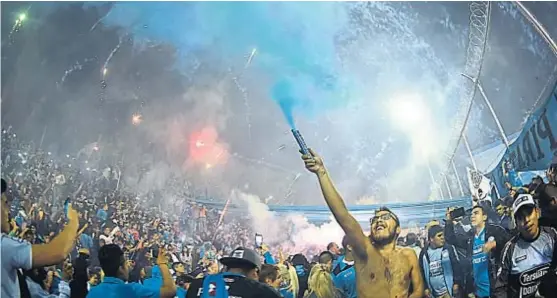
409	213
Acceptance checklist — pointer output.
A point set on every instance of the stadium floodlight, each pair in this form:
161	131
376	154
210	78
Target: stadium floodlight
408	111
410	114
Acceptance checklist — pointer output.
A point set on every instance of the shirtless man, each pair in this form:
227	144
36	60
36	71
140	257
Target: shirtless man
382	268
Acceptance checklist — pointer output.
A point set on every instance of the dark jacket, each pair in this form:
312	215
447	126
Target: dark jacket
78	285
457	274
467	242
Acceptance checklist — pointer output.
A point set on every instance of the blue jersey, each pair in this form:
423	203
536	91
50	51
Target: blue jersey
16	254
114	287
344	277
480	265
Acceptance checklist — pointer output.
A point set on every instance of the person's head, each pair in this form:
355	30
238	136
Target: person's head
179	268
243	260
289	278
269	275
436	236
411	239
500	208
333	248
320	282
29	236
547	198
94	279
40	277
101	242
400	241
326	259
113	262
385	226
346	245
526	215
107	231
478	217
5	209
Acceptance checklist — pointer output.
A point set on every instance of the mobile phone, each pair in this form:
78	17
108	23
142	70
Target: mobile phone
66	205
458	212
258	240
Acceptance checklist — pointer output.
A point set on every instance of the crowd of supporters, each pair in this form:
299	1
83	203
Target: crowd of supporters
73	231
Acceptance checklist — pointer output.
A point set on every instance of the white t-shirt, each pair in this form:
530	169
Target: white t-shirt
16	254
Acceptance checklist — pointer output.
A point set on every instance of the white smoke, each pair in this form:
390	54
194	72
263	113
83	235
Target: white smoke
291	231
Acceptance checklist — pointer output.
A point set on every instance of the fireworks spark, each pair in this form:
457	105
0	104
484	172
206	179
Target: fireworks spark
137	119
253	51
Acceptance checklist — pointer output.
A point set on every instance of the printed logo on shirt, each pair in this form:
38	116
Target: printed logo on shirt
521	258
533	275
212	290
435	269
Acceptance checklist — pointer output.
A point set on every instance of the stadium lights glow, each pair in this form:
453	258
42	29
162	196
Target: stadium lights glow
22	17
408	111
410	114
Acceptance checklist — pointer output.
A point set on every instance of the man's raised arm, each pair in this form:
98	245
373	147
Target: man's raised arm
347	222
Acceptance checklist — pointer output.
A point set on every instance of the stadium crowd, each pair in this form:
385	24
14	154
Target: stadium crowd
69	231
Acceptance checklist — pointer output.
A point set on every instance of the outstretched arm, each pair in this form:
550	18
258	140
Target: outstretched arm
347	222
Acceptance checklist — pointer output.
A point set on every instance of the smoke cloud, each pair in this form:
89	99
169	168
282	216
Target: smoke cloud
292	231
79	72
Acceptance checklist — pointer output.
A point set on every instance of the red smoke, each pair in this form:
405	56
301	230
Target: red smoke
205	149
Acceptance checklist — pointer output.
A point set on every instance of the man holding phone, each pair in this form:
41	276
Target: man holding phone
483	245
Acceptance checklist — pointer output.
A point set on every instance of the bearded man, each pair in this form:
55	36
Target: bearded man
382	268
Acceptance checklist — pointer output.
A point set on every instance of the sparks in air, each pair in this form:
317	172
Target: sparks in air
137	119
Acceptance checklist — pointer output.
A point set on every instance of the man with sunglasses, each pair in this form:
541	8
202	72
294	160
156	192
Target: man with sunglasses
529	259
382	268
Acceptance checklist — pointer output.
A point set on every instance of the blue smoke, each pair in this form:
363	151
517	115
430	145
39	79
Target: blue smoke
294	49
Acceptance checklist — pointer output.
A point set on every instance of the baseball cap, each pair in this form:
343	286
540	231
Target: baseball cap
242	256
521	201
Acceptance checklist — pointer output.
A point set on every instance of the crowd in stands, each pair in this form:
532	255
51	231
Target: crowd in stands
69	231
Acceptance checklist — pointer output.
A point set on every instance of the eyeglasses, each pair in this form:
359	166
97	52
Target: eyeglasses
383	217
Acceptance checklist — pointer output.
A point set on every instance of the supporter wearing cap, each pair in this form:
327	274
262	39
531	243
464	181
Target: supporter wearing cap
527	258
20	254
116	271
240	278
